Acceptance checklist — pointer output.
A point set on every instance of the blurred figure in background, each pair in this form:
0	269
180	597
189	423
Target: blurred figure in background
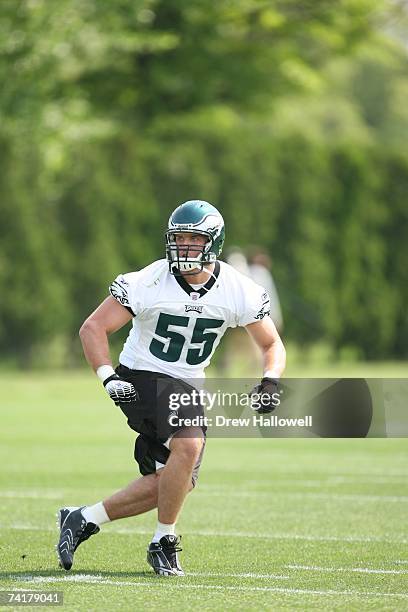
240	355
259	270
237	259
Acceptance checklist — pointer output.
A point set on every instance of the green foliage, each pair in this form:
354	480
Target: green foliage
289	115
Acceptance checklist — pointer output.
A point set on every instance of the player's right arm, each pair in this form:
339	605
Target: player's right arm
105	320
108	318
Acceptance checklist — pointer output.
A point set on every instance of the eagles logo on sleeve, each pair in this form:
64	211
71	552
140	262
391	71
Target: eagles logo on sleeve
119	289
265	309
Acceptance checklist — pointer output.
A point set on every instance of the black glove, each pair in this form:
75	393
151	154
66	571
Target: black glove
120	391
265	396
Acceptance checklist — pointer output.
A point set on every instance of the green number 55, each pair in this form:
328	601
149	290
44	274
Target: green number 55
170	349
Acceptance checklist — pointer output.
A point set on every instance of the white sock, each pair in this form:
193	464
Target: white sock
96	514
162	529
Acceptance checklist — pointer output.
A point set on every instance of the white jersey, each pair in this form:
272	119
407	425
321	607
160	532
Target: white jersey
177	328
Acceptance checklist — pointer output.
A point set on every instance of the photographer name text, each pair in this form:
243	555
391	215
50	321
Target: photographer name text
257	420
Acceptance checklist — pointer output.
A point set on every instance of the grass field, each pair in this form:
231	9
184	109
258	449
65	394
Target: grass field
273	524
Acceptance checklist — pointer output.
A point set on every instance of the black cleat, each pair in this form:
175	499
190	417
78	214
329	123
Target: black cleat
162	556
73	531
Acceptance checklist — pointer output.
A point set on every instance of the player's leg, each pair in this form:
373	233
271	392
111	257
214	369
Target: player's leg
137	497
78	524
177	479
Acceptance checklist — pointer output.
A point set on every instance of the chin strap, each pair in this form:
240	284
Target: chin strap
211	274
176	270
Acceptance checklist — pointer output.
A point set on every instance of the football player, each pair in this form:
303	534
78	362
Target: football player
180	308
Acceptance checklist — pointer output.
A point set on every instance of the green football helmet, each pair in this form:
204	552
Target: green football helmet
194	217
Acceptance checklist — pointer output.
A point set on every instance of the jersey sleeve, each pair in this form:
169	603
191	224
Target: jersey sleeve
123	290
255	305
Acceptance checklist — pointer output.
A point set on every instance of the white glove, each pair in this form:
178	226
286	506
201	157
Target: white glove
120	391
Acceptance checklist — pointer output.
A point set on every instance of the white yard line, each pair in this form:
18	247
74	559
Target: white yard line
358	570
31	494
366	478
246	575
275	536
209	491
87	579
309	495
289	473
224	534
25	527
325	479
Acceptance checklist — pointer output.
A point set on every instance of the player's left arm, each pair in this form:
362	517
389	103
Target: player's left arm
267	338
274	359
